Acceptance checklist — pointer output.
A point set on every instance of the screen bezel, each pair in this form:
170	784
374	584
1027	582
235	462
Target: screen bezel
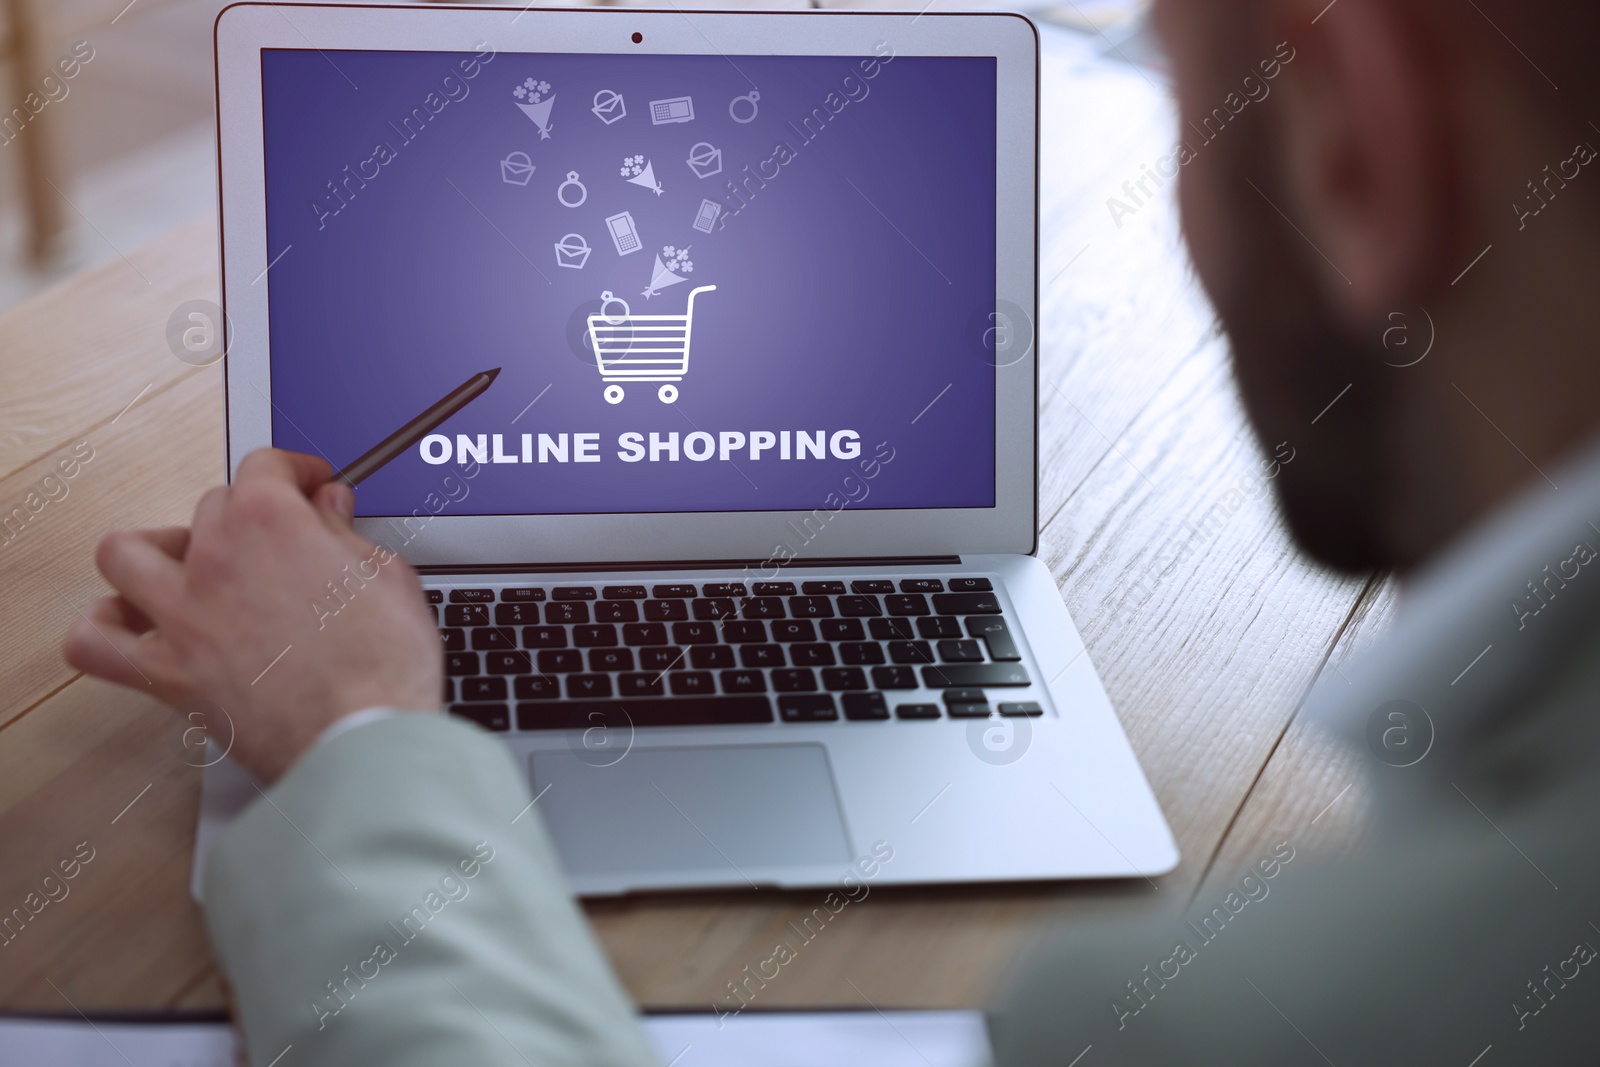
244	30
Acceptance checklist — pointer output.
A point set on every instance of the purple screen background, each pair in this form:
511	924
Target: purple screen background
847	285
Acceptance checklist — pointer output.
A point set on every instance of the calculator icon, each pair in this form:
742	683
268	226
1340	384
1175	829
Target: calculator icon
672	109
624	233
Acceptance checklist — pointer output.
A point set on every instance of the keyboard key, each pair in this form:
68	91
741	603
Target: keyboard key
807	708
560	661
811	655
483	688
706	657
616	611
489	638
660	658
970	585
744	631
872	586
466	615
691	683
967	711
644	633
906	604
568	612
611	659
921	585
857	607
910	652
891	629
993	629
711	608
844	678
863	707
1022	707
435	596
460	663
794	630
810	607
761	655
495	717
544	637
509	663
681	591
536	687
515	614
743	682
894	678
841	630
640	685
665	610
453	640
694	633
794	680
593	635
721	589
433	613
903	711
861	653
449	690
573	592
623	592
669	711
523	592
775	589
939	626
472	596
762	607
582	686
960	652
966	603
975	674
822	588
964	696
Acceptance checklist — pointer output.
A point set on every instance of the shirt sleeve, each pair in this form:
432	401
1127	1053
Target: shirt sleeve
395	899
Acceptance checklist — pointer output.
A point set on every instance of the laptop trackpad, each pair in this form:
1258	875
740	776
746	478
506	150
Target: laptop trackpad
720	810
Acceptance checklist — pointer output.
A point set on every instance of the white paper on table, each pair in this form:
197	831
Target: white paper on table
753	1039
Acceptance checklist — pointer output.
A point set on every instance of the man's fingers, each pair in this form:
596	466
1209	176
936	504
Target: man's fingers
336	503
209	511
100	645
173	540
275	464
141	572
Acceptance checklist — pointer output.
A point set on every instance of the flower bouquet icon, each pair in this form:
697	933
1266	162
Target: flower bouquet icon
639	171
535	100
670	267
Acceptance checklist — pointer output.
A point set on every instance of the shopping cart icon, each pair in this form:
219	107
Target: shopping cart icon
642	348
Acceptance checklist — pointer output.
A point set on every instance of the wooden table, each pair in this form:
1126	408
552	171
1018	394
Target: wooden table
1208	634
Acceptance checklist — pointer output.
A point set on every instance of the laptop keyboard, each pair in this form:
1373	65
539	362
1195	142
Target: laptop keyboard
561	657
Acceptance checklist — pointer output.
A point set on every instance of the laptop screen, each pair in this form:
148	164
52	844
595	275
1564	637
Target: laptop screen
707	283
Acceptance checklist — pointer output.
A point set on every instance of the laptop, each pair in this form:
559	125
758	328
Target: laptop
728	501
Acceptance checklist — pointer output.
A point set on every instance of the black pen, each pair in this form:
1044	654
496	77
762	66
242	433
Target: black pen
417	428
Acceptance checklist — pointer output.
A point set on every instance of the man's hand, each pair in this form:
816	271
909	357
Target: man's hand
270	608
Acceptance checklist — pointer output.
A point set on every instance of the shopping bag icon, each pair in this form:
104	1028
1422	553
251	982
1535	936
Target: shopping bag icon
516	169
705	160
609	106
572	251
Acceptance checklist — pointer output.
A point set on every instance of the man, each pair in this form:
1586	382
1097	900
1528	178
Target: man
1417	159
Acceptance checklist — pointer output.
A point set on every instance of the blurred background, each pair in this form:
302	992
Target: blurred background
97	163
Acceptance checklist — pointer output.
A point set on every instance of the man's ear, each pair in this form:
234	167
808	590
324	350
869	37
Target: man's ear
1367	150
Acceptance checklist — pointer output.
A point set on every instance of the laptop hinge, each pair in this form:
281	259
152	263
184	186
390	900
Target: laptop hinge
750	566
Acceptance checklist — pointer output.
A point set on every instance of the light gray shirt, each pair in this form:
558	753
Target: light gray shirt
1468	927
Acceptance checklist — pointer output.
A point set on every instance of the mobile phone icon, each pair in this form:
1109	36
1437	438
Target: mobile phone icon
624	233
672	109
